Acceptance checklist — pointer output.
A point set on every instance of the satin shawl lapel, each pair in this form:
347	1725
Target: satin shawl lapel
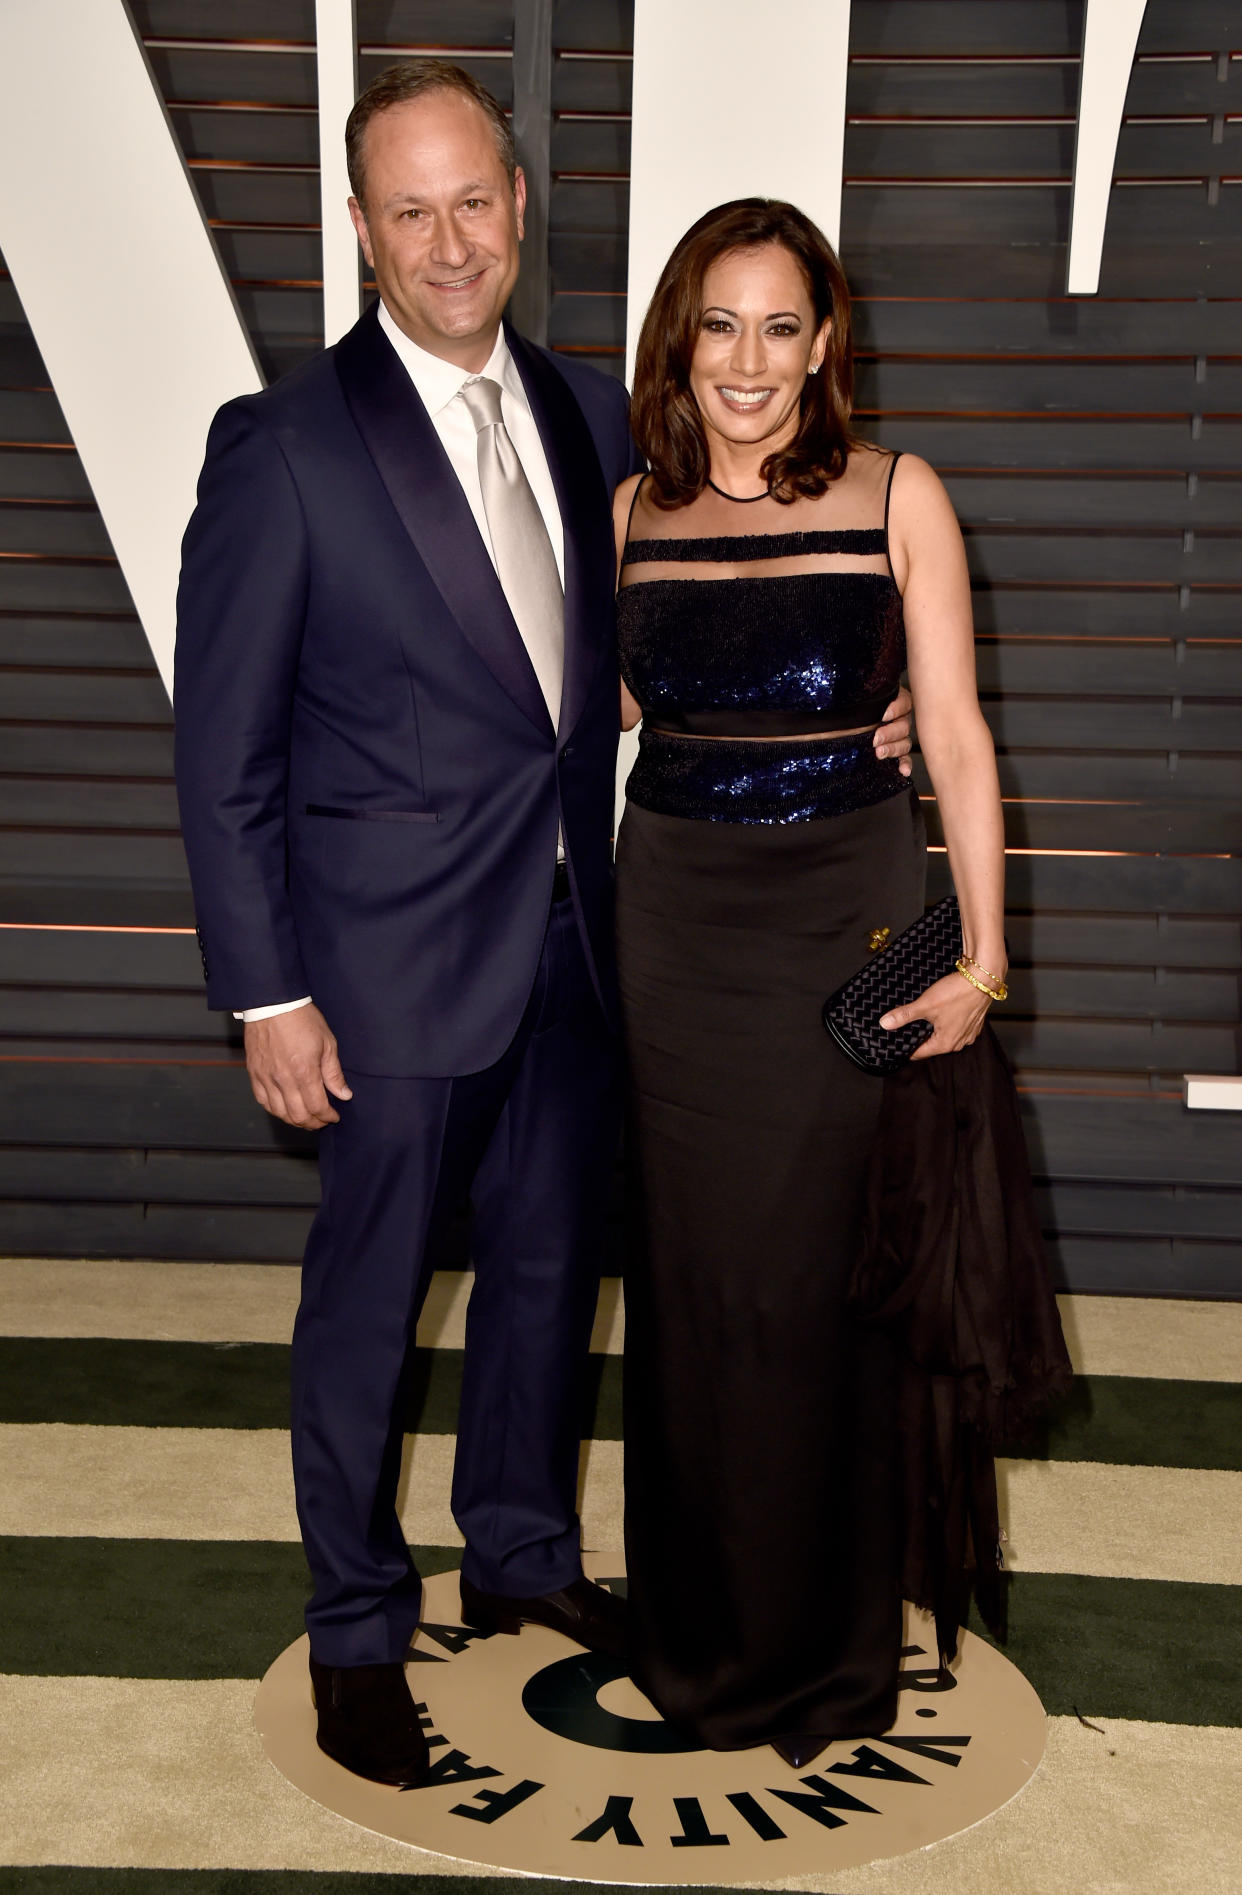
584	503
422	486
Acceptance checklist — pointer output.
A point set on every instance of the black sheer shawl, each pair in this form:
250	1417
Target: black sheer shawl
953	1262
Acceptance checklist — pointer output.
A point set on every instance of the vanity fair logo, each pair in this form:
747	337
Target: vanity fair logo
549	1760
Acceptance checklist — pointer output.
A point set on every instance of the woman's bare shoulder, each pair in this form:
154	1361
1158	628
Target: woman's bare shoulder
622	507
914	472
623	499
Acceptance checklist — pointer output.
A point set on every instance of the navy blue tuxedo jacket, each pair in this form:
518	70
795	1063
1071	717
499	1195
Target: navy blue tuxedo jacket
370	783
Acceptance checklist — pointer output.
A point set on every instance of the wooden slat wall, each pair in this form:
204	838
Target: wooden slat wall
1093	448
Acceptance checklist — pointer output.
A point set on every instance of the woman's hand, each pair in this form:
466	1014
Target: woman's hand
955	1009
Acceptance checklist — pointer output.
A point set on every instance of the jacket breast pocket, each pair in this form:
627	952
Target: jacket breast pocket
373	815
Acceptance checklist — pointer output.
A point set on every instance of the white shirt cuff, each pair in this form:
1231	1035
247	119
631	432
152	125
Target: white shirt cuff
269	1013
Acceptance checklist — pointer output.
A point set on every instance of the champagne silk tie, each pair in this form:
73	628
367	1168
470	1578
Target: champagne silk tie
525	561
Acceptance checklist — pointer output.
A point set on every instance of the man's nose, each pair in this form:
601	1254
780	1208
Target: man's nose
450	244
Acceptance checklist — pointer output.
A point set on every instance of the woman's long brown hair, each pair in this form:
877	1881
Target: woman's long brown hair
665	415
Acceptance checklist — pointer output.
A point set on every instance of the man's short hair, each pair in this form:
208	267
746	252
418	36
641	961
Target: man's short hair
413	79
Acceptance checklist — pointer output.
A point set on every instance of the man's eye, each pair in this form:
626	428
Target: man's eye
474	203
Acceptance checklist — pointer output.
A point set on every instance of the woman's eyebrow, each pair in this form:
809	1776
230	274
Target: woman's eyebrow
770	317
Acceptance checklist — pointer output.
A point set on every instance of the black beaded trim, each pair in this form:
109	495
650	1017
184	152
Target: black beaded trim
744	546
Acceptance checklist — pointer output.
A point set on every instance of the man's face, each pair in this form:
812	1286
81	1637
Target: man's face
441	225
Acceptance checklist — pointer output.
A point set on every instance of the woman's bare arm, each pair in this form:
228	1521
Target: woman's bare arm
929	561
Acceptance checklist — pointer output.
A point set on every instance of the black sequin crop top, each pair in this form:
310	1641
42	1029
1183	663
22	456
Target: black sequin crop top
802	651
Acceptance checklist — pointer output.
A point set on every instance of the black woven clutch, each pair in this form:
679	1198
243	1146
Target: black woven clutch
924	952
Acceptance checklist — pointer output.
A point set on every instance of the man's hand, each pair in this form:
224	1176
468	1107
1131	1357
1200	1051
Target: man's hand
293	1065
892	737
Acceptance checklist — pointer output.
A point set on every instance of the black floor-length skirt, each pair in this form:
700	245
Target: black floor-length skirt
762	1525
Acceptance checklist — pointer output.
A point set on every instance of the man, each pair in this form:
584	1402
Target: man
397	719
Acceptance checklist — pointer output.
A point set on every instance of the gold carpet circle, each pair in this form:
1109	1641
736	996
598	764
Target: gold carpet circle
546	1761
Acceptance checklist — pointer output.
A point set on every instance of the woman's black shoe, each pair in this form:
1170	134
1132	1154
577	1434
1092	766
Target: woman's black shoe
368	1724
797	1752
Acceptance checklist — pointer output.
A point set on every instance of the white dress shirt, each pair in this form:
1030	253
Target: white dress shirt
437	384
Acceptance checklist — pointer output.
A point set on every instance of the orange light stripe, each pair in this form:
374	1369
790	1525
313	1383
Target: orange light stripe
104	1059
1132	855
84	927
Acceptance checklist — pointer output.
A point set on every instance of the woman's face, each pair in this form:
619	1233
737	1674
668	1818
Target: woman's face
757	341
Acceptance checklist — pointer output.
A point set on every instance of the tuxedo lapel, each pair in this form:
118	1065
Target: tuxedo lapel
427	495
585	509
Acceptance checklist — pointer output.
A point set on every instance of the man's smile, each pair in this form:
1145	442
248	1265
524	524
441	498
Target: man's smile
456	282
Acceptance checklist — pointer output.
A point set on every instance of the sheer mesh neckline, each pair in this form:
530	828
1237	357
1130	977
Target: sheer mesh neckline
842	534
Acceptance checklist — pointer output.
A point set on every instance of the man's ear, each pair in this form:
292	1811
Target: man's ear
519	200
359	217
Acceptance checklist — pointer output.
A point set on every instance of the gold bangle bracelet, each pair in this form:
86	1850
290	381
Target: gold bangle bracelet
998	993
996	980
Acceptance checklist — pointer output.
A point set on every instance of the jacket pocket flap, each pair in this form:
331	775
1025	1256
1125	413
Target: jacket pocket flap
373	815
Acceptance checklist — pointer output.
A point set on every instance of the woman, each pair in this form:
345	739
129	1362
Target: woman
775	576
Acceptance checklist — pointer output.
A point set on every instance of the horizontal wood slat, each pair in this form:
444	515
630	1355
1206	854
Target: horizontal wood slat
98	644
1112	444
88	860
1006	148
280	1180
77	750
1017	28
1059	997
996	257
951	323
969	88
1126	503
79	697
288	20
997	385
276	1179
136	958
69	1104
1177	613
259	1234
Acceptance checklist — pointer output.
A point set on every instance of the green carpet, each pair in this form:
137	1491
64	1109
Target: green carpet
1133	1648
113	1382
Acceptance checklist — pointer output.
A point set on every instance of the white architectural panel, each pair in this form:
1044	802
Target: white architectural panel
336	52
1110	35
1213	1092
731	102
119	279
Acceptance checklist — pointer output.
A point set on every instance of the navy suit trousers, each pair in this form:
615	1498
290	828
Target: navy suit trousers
532	1141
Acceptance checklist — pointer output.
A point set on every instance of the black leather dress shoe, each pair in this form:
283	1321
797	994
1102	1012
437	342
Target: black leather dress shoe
797	1752
367	1723
583	1612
